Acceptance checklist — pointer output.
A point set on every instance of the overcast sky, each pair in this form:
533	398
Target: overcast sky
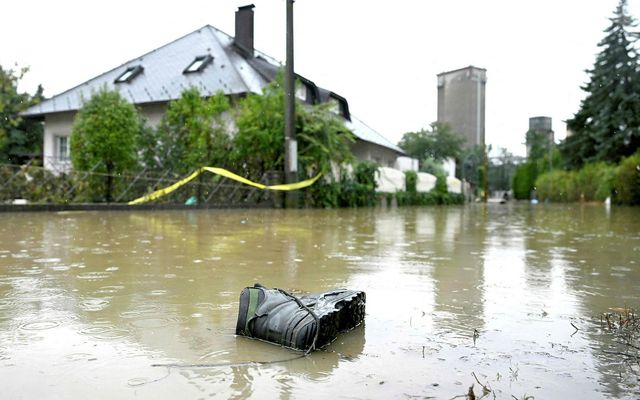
383	56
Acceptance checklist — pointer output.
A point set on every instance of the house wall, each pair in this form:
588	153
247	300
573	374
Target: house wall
153	112
372	152
56	125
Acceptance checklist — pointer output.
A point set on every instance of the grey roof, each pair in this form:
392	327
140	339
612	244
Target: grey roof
162	78
368	134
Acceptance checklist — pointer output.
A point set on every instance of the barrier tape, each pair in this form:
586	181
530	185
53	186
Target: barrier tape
227	174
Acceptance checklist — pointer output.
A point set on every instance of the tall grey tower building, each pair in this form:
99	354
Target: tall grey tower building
461	102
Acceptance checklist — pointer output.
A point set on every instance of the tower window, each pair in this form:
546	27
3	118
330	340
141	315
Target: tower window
198	64
128	75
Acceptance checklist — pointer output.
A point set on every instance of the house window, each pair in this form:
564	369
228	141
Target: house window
62	148
198	64
301	92
128	75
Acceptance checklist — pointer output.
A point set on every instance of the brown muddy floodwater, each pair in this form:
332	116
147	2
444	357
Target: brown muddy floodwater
90	300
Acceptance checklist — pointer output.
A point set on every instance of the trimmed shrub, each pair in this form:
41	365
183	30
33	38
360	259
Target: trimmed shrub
557	186
627	181
411	178
594	181
524	180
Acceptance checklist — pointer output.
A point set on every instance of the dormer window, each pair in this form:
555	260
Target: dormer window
301	92
128	75
339	105
198	64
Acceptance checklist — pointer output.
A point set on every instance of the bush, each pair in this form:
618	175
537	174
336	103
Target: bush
627	181
357	189
557	186
411	179
12	183
595	181
524	180
437	196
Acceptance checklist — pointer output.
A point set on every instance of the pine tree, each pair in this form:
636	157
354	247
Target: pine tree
607	126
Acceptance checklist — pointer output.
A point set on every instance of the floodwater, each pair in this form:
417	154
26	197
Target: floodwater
89	301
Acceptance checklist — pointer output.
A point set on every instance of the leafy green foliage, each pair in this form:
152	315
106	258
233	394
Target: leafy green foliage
439	195
437	143
432	166
356	188
538	144
259	142
323	140
192	133
103	139
557	185
524	180
411	180
607	126
627	180
593	182
20	139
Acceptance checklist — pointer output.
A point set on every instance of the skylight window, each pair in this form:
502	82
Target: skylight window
128	75
198	64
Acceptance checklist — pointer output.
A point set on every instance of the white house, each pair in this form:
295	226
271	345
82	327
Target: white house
208	59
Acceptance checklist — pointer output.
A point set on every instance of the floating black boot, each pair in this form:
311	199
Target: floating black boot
305	323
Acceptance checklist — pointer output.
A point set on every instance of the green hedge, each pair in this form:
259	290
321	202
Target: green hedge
524	180
627	180
593	182
557	186
437	196
353	190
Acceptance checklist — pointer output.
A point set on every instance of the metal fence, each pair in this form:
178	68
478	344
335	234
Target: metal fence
31	184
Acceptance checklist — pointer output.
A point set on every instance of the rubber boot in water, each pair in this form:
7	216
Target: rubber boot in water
305	323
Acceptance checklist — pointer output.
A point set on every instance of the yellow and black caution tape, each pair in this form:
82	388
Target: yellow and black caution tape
227	174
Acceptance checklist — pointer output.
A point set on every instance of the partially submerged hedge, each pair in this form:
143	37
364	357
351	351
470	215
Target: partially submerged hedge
593	182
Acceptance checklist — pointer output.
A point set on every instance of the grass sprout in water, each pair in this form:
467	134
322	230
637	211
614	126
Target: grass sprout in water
624	325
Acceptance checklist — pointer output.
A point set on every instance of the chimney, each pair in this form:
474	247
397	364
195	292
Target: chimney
244	29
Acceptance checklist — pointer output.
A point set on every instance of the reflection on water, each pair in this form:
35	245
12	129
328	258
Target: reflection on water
92	299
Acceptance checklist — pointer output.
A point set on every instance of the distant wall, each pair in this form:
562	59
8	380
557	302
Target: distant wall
372	152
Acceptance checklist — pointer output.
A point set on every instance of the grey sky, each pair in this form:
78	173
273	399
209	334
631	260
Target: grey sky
383	56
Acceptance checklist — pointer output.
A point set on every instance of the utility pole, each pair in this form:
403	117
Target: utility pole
290	143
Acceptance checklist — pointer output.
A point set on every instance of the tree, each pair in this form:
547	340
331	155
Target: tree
433	167
192	134
437	143
607	126
259	142
323	140
538	143
20	139
103	139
